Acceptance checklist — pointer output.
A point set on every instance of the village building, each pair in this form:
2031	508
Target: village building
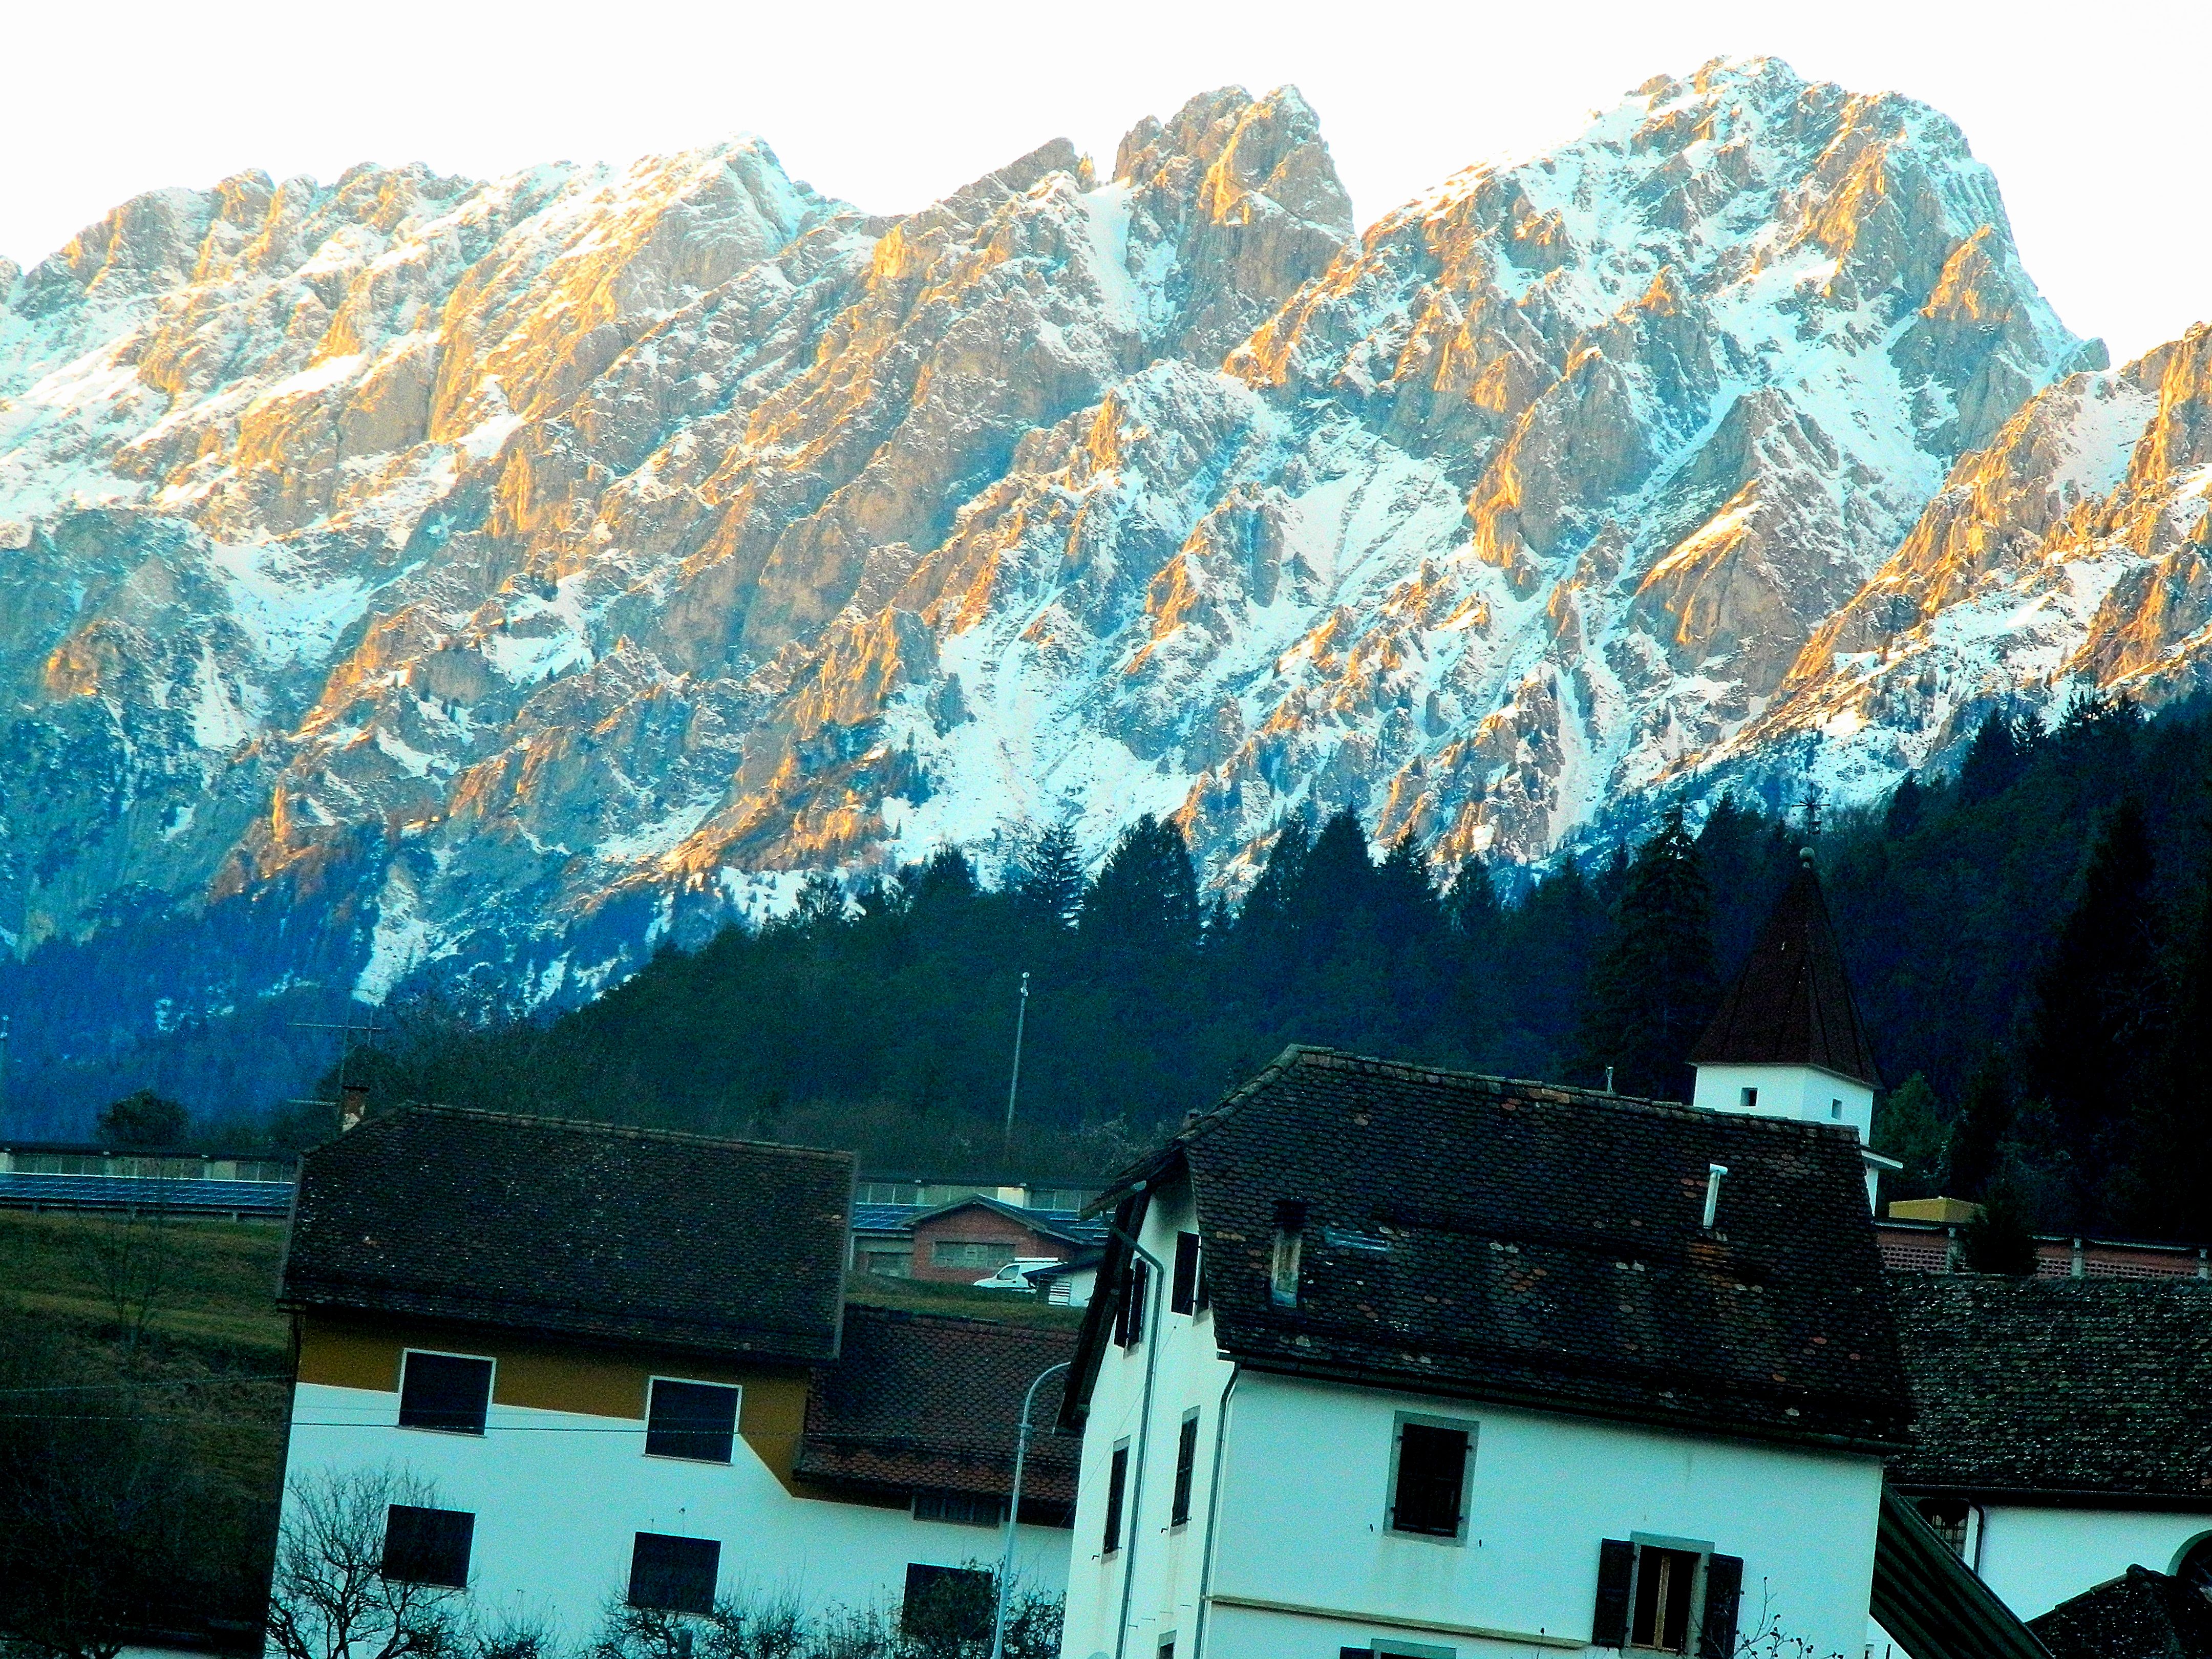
960	1244
1391	1360
2065	1428
1788	1041
886	1210
623	1361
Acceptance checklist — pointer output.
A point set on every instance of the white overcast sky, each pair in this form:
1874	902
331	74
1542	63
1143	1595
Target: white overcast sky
2094	116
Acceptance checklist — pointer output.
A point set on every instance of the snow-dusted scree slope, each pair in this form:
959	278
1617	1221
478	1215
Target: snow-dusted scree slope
433	572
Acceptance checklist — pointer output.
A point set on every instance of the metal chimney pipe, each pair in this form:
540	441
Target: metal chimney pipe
1714	1173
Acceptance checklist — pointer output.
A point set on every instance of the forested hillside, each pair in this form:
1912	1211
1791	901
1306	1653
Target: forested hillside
2029	942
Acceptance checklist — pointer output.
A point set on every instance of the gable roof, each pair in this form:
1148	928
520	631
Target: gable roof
933	1401
2087	1388
1932	1602
1525	1243
1792	1004
2143	1614
1047	1223
587	1230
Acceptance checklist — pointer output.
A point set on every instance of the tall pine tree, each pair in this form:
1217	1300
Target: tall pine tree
1654	989
2095	1037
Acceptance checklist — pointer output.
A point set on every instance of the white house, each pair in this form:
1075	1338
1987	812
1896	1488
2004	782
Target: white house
624	1362
1788	1041
1406	1362
2065	1429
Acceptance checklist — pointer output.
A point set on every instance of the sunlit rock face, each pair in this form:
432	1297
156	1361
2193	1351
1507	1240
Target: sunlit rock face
514	573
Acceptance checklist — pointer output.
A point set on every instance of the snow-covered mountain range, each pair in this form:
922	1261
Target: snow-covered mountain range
414	573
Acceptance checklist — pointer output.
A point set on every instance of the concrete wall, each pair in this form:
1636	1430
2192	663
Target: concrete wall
1797	1091
1301	1564
559	1494
2035	1558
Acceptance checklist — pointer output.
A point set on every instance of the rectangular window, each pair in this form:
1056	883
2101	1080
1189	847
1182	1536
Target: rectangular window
1835	1108
697	1420
1428	1487
947	1608
428	1546
1182	1295
1167	1647
444	1391
1186	1466
1117	1479
673	1575
1671	1597
961	1509
1129	1312
1666	1584
984	1256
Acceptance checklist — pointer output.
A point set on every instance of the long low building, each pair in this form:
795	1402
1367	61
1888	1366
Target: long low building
616	1366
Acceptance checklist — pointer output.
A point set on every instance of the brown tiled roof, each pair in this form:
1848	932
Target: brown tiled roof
1792	1004
587	1230
930	1401
1520	1241
2140	1614
2058	1387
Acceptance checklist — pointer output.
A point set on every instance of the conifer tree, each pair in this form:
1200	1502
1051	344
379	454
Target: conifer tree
1050	882
2096	1030
1994	758
1653	991
2169	1163
1906	804
1908	1126
1977	1137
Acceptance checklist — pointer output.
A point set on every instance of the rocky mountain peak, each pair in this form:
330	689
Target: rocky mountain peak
413	575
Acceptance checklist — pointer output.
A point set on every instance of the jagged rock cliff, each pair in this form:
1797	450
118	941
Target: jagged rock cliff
415	573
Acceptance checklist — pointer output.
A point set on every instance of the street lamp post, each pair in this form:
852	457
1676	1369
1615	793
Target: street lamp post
1014	1507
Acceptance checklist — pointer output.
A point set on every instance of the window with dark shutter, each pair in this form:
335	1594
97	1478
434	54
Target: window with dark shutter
1182	1296
1117	1478
1616	1570
1428	1494
444	1391
1723	1596
1186	1466
428	1546
697	1420
673	1575
1666	1584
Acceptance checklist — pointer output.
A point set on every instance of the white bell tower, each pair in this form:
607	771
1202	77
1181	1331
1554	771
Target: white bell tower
1788	1041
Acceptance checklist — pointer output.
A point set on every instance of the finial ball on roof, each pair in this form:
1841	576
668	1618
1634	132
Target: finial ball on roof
1805	855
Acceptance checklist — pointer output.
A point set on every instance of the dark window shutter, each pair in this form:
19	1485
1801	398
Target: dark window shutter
1723	1593
673	1574
691	1419
1129	1320
428	1546
1431	1476
1616	1566
1186	1466
1117	1478
444	1391
1183	1298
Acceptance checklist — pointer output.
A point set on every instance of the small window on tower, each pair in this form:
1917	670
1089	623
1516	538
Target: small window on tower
1835	1108
1750	1098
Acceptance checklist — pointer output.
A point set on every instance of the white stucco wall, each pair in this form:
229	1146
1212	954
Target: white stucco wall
1795	1091
1303	1484
558	1498
2035	1558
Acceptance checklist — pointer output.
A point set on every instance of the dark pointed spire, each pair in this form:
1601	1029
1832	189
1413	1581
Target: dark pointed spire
1792	1004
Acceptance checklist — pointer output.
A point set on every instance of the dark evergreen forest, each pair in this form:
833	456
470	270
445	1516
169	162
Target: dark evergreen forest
2030	941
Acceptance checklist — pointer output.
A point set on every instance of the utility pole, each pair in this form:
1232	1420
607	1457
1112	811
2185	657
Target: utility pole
5	1020
1014	1085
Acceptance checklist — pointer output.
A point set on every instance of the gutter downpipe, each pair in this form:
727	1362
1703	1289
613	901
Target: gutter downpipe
1213	1513
1135	1519
1014	1510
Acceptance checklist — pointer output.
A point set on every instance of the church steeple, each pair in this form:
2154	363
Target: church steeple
1788	1041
